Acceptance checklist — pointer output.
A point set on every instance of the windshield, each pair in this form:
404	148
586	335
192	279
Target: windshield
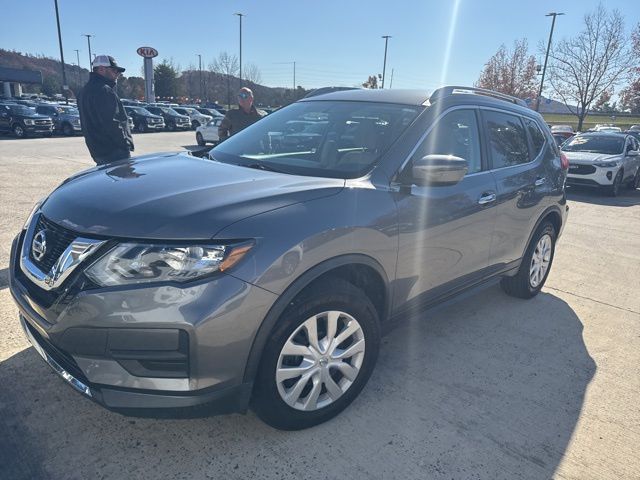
322	138
68	110
608	145
21	110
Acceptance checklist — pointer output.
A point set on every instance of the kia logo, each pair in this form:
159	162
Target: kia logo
39	245
147	52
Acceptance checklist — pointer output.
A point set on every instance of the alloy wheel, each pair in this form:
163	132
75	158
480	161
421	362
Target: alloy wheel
320	360
540	261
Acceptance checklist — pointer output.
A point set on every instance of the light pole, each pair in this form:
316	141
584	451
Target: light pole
88	43
64	74
79	68
240	15
384	65
544	69
200	68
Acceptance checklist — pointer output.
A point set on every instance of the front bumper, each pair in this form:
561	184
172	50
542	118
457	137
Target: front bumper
588	174
88	336
38	129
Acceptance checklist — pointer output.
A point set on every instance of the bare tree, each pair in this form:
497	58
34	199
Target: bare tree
372	82
586	66
227	65
630	96
252	73
511	72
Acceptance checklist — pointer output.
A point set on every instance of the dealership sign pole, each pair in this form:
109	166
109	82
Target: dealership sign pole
148	53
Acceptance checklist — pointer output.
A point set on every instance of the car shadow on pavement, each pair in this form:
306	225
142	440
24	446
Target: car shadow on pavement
490	387
4	278
626	198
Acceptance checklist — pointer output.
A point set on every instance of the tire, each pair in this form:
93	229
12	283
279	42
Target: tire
539	256
614	189
311	402
200	140
67	130
172	127
143	127
18	131
635	182
195	124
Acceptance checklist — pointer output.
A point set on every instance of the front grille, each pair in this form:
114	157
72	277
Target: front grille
57	238
43	122
578	169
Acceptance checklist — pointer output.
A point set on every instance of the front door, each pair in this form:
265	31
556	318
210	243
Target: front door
445	231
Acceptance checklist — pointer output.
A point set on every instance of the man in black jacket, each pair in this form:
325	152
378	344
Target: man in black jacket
104	120
245	115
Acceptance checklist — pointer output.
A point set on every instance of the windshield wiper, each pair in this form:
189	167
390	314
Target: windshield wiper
262	166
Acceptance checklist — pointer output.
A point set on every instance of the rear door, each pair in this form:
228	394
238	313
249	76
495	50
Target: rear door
521	178
445	231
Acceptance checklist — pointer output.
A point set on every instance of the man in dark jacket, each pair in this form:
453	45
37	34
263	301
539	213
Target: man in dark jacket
104	120
236	120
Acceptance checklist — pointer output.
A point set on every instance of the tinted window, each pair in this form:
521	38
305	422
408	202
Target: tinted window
537	137
455	134
606	144
507	139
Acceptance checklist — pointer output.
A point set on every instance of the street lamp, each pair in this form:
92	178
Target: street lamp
88	43
240	15
65	87
200	68
384	65
544	69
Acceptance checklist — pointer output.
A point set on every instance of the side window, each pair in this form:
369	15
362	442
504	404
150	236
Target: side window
455	134
537	137
507	139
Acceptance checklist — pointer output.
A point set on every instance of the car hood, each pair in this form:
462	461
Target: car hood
589	157
35	116
174	196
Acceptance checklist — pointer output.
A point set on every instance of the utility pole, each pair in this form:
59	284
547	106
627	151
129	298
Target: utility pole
294	79
384	65
89	43
391	82
546	57
79	68
200	68
65	87
240	15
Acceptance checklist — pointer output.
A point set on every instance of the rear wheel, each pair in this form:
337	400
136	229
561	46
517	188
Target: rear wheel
18	131
535	265
635	182
200	140
318	358
614	189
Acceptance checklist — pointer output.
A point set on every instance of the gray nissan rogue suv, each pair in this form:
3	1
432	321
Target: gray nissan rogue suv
263	275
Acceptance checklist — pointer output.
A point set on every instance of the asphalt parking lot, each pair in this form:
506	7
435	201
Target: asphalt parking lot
489	387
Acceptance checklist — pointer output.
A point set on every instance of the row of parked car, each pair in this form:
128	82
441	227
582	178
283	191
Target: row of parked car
24	118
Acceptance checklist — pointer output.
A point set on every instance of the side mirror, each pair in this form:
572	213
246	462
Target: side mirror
633	153
439	170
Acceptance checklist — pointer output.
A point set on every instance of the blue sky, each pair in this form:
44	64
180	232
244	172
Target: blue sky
333	42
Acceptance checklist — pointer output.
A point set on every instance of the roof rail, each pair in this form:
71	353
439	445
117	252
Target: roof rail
450	90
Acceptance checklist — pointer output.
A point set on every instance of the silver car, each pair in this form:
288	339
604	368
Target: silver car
602	159
264	275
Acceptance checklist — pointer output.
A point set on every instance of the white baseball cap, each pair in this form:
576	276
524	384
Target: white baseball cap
106	61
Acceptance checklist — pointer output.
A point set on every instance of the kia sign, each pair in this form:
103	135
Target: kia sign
147	52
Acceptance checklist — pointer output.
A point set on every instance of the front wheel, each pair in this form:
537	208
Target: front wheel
67	130
635	183
195	124
200	140
318	358
535	265
614	189
19	131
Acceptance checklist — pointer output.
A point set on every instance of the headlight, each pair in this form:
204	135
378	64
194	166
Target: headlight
35	208
132	263
607	164
29	122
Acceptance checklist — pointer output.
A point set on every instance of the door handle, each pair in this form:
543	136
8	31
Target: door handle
487	197
540	181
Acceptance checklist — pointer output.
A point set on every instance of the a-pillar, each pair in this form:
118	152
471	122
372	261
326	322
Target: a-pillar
17	90
7	89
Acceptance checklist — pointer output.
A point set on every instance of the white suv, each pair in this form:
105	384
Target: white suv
208	133
603	159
